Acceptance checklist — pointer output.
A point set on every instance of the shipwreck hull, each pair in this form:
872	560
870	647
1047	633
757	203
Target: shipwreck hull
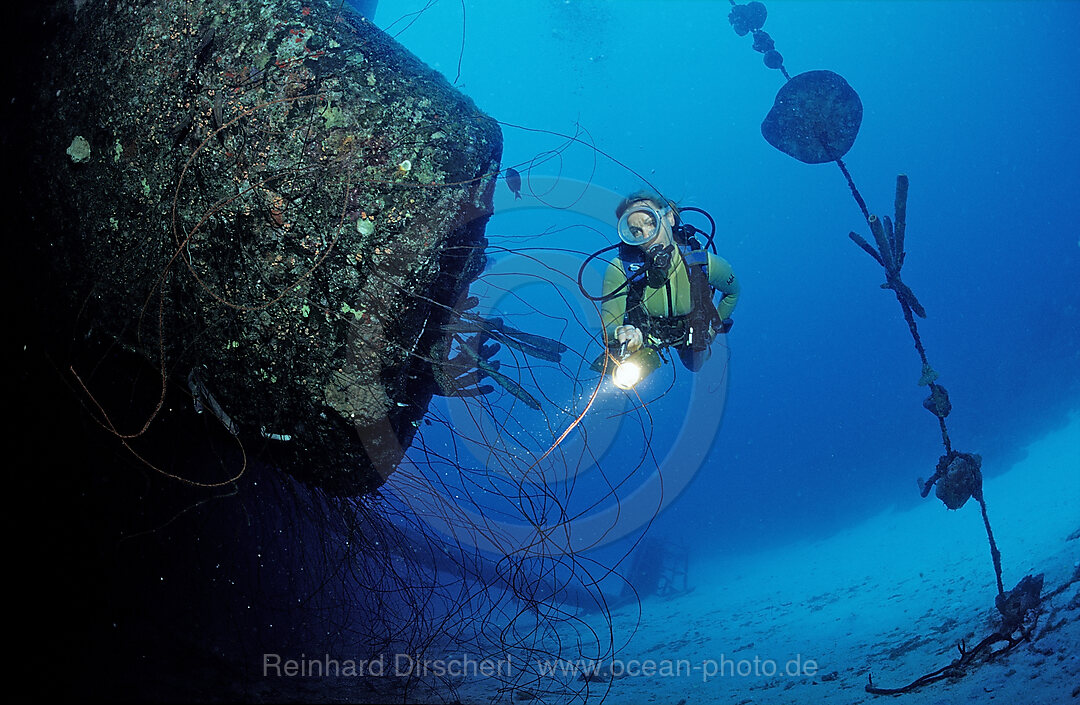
272	204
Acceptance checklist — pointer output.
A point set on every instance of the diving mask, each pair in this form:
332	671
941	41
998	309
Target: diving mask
640	224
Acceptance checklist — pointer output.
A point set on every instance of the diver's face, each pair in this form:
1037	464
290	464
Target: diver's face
645	228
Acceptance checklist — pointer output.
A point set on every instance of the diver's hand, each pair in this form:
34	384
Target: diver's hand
631	336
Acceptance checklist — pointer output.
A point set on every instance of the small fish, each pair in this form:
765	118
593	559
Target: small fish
513	181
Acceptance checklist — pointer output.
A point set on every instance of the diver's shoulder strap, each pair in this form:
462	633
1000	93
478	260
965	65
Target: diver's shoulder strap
632	263
697	258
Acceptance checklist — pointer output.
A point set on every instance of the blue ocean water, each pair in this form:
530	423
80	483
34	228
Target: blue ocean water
823	423
810	420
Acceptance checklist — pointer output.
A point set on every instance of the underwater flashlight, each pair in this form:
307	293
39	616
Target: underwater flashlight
630	367
630	370
626	375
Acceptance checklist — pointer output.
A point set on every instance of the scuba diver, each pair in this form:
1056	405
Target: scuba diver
658	293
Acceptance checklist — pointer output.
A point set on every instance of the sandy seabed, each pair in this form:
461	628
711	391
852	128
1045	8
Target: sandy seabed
806	624
892	597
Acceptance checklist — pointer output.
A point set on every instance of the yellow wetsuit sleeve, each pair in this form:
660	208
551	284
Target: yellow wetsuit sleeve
722	277
613	310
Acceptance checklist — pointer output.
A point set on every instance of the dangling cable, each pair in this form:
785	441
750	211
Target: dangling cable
813	134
